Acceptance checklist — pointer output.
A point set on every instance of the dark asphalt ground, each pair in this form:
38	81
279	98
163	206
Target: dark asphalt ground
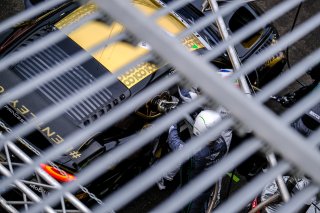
304	46
297	51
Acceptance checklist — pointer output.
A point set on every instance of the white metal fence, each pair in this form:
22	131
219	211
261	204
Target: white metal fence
272	132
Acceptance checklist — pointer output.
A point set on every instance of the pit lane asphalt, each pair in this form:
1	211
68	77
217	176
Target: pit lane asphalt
299	50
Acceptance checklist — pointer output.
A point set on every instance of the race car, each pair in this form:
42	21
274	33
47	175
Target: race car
105	62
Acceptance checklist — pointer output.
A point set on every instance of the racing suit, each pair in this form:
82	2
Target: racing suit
203	159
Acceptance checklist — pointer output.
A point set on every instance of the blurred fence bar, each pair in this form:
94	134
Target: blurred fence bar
271	133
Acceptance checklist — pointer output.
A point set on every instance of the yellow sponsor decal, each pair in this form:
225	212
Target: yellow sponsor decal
275	60
117	55
168	23
76	15
192	43
135	75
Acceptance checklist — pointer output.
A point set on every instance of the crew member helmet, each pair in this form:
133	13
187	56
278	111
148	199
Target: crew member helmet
204	120
226	73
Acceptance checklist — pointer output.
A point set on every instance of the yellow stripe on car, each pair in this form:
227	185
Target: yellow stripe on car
118	54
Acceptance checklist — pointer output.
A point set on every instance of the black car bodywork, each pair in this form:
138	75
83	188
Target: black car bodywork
83	114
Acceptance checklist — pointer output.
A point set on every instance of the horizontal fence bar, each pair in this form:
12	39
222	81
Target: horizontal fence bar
78	58
209	19
105	122
301	199
272	130
266	124
31	195
314	138
246	194
283	43
302	106
289	76
205	180
43	43
72	199
28	14
169	163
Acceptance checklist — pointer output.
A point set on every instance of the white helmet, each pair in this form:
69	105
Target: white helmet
225	73
204	120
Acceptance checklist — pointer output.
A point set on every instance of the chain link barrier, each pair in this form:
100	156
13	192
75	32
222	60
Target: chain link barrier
35	151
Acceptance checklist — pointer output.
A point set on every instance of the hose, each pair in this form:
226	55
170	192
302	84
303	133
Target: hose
265	203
